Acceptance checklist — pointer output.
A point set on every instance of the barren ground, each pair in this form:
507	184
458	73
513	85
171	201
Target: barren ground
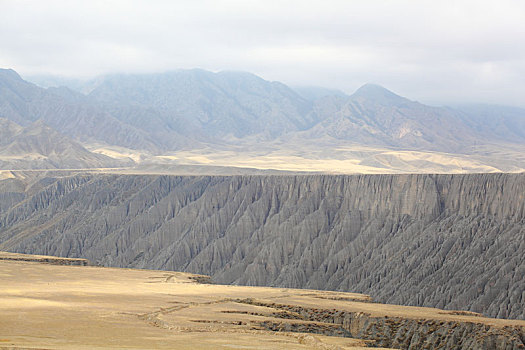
46	306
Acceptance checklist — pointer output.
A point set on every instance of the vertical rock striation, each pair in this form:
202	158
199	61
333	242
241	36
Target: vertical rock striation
447	241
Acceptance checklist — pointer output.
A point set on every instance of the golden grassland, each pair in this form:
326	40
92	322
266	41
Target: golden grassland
48	306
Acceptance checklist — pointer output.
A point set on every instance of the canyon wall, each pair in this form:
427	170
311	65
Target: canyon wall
447	241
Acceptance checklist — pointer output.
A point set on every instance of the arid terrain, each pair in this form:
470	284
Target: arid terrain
445	241
46	304
262	175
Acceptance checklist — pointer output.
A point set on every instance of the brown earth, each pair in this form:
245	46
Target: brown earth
45	306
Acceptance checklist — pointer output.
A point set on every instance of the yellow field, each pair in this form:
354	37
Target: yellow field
48	306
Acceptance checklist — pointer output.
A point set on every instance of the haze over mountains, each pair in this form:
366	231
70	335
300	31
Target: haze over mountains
37	145
238	119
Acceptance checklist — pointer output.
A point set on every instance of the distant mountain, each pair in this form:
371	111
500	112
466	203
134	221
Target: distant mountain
211	107
374	115
7	130
236	111
313	93
206	104
51	81
24	103
39	146
380	95
500	122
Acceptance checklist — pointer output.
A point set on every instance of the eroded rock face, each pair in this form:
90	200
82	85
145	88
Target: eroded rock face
395	332
43	259
449	241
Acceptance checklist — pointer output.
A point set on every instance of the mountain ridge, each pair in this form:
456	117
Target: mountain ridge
371	91
39	146
166	114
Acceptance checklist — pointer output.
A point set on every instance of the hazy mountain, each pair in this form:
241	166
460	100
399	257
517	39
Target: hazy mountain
313	93
205	104
39	146
210	104
51	81
68	113
502	122
7	131
236	111
374	115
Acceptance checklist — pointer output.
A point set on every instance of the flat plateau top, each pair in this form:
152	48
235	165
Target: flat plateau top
45	306
42	259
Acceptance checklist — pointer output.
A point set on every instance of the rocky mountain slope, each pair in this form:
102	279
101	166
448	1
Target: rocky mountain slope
206	104
161	118
505	123
450	241
39	146
154	108
25	103
375	116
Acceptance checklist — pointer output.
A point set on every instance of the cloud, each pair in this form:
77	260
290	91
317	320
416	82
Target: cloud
447	51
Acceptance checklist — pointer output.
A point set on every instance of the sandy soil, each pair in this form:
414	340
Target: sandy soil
317	156
48	306
298	156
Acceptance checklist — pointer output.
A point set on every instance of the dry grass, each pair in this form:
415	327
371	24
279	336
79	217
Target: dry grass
73	307
299	156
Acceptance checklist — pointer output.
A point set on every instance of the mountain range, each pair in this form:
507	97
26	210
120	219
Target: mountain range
38	145
196	117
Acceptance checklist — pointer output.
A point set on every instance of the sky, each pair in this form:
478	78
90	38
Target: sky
436	52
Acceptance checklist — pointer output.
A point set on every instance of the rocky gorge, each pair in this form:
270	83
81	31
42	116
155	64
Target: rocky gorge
446	241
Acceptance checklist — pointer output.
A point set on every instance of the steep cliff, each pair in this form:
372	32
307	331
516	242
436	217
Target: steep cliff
449	241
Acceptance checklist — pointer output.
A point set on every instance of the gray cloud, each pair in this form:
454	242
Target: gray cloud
437	52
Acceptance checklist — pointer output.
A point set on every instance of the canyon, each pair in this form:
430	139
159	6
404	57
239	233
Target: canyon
446	241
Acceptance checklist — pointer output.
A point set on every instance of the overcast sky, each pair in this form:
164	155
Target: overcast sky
431	51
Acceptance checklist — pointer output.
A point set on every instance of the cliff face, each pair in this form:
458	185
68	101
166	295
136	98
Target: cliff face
53	260
396	332
449	241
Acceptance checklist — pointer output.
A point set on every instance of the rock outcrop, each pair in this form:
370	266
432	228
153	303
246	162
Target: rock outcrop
395	332
53	260
447	241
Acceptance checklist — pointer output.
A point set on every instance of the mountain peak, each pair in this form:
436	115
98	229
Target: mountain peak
9	73
377	93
